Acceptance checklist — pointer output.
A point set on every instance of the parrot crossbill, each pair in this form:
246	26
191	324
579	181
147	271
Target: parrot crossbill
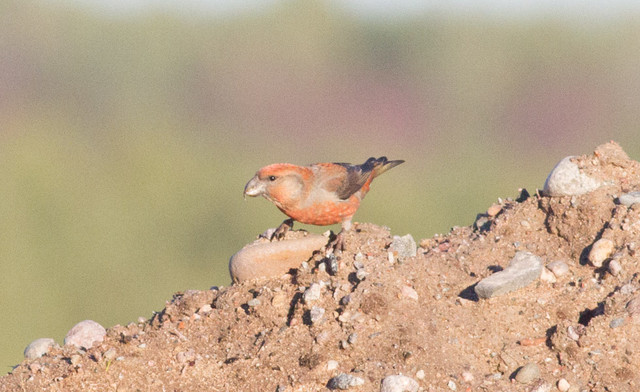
320	194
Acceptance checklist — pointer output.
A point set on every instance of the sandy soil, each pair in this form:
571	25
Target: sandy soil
417	316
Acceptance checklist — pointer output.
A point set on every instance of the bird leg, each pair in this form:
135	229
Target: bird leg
337	242
282	230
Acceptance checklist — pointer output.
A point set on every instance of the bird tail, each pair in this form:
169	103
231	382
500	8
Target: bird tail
380	165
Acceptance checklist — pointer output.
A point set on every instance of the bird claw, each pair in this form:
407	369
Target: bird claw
282	230
336	243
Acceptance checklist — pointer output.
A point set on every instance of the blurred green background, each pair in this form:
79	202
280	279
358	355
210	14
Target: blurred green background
127	136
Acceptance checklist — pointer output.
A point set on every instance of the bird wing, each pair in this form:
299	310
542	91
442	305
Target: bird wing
345	179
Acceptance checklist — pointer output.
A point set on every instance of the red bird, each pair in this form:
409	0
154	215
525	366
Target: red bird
320	194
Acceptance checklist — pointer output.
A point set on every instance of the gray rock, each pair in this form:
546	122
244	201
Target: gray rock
528	373
85	334
38	348
344	381
316	314
523	269
404	246
254	302
616	322
399	383
312	293
566	179
629	199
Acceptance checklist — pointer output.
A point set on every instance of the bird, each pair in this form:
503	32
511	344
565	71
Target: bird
319	194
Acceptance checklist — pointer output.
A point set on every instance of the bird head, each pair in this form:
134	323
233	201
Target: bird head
277	183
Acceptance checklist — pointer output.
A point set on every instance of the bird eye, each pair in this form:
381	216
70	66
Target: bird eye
272	178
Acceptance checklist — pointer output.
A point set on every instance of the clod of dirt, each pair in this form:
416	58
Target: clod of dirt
420	318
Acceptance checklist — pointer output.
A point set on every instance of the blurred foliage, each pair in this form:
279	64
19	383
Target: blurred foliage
126	140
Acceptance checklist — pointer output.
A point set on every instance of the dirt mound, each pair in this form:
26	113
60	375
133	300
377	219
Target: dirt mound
373	313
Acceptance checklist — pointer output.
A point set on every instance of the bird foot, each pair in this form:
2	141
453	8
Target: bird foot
282	230
336	243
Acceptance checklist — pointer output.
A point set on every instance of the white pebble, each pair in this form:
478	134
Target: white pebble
316	314
409	292
600	251
399	383
614	267
85	334
558	268
332	365
390	257
420	374
547	276
38	348
467	376
563	385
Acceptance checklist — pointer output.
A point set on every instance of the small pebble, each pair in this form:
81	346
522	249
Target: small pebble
399	383
85	334
547	276
614	267
332	365
494	210
629	199
540	386
205	309
452	385
600	251
404	246
254	302
316	314
558	268
332	264
528	373
390	258
361	274
563	385
344	381
186	356
467	377
616	322
312	293
38	348
420	374
572	333
409	292
633	306
110	354
75	359
352	338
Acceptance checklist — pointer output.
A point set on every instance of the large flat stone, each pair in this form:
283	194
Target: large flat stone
264	259
524	268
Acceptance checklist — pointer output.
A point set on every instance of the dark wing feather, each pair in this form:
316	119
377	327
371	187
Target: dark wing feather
357	176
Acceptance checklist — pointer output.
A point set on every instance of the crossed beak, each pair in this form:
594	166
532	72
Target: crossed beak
254	188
